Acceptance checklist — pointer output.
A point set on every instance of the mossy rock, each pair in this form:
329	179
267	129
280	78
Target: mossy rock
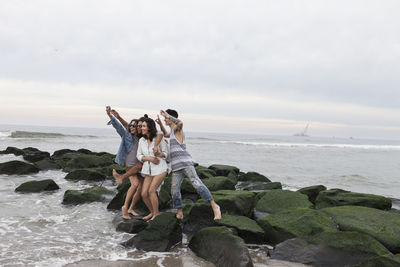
64	153
301	222
380	261
276	200
86	175
161	234
17	167
36	156
118	201
197	216
246	228
312	191
339	197
107	170
132	226
382	225
204	172
219	183
234	202
223	170
14	150
37	186
220	246
253	177
47	164
74	197
259	186
88	161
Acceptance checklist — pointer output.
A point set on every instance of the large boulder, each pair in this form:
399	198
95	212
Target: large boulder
37	186
62	154
35	156
47	164
273	201
330	249
85	174
339	197
220	246
258	186
14	150
246	228
118	201
293	223
312	191
382	225
223	170
219	183
204	172
132	226
17	167
253	177
92	194
381	261
88	161
160	235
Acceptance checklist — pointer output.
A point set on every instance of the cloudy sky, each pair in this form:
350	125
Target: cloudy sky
266	67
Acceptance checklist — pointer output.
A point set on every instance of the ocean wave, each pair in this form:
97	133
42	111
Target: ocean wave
316	145
25	134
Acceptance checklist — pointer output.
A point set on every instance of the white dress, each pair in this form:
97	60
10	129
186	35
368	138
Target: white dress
149	168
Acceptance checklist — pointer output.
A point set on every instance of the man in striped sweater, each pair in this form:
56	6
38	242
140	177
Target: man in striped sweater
182	165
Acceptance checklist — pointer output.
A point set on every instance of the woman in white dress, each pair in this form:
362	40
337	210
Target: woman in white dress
154	168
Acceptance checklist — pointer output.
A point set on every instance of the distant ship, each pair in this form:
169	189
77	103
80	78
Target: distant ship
304	132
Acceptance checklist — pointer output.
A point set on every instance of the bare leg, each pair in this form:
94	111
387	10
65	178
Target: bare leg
216	210
129	172
136	197
157	180
145	196
128	198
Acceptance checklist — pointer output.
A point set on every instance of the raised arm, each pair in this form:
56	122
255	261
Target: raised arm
162	127
116	114
178	123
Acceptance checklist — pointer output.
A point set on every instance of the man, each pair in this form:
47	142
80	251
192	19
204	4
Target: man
182	166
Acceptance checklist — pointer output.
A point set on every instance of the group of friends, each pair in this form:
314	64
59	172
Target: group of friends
148	156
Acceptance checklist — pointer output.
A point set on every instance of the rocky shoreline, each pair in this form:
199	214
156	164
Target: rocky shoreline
314	225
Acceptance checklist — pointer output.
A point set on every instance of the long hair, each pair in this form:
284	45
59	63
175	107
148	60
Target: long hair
134	121
151	125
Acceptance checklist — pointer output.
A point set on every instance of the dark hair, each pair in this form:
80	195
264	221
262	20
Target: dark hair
172	112
145	116
135	121
152	128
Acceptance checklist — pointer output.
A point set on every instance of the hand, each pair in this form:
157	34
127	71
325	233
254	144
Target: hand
155	160
158	120
155	150
163	113
159	154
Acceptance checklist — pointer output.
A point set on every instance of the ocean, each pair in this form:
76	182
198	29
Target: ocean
37	230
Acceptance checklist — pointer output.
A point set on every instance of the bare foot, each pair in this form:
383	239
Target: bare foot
179	214
117	176
125	213
148	217
133	213
152	218
217	212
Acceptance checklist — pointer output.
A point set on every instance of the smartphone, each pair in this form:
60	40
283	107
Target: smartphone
108	108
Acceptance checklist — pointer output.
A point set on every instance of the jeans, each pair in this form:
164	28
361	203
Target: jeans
177	178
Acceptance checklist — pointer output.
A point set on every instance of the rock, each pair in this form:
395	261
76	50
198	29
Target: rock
219	183
88	161
30	150
293	223
276	200
87	195
312	191
197	216
259	186
339	197
37	186
382	225
36	156
204	172
246	228
160	235
329	249
47	164
132	226
17	167
118	201
223	170
253	177
220	246
107	170
86	151
381	261
87	175
62	154
14	150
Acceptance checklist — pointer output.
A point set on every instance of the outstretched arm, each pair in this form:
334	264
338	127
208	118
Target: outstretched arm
178	123
116	115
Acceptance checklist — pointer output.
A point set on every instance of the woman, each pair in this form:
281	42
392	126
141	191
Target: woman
154	167
126	156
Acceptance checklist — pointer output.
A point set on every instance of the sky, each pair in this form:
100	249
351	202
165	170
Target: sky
264	67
